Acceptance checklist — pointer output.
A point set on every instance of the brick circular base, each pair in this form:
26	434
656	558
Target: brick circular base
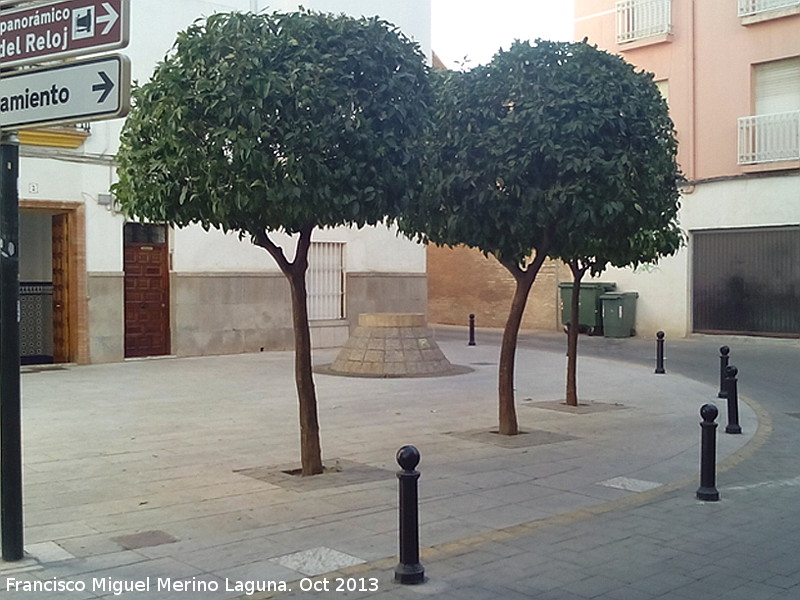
392	320
392	345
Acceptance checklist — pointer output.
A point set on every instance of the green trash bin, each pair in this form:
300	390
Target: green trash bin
619	314
590	318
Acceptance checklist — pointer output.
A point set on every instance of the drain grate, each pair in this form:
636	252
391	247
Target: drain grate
145	539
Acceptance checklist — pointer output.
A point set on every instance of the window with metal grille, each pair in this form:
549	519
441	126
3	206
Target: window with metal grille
143	233
325	281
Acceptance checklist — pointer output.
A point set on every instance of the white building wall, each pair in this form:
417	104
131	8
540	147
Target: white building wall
665	289
370	249
752	202
663	294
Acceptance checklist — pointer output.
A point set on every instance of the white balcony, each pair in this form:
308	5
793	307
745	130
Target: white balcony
640	19
754	7
769	138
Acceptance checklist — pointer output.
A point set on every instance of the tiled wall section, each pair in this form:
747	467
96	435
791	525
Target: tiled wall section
232	313
106	317
463	281
229	313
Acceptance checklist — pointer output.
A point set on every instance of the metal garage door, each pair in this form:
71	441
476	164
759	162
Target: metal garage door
747	281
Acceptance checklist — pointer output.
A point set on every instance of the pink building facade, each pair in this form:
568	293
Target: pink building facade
730	70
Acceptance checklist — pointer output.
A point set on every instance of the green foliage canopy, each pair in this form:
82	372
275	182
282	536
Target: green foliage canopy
273	122
625	195
549	147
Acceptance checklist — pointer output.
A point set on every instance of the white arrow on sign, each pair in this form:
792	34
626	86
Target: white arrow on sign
110	18
89	90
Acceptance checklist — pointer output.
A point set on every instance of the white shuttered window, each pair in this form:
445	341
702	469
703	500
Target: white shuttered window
773	133
777	86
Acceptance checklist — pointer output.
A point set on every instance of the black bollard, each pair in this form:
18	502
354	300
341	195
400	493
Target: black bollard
660	353
708	454
471	330
724	351
409	570
732	394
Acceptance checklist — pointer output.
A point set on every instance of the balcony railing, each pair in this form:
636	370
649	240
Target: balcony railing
639	19
769	138
754	7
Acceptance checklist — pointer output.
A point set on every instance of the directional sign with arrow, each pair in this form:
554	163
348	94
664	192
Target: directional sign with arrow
57	30
89	90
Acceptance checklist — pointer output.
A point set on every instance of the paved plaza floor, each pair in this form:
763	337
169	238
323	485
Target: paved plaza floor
161	479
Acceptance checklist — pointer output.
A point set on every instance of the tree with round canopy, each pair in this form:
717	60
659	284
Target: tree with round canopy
553	149
268	123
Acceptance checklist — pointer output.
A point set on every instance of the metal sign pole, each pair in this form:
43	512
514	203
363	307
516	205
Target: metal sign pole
90	90
10	405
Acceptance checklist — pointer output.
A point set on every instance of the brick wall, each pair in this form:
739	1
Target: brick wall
462	281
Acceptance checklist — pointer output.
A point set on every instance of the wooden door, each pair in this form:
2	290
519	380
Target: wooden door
146	299
61	289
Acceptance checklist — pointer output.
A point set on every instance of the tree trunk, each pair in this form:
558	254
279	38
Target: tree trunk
295	272
310	449
507	411
572	334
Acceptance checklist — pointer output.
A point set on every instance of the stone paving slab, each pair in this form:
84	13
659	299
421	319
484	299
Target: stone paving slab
124	450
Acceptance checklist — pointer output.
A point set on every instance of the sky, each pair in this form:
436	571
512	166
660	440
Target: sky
476	30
